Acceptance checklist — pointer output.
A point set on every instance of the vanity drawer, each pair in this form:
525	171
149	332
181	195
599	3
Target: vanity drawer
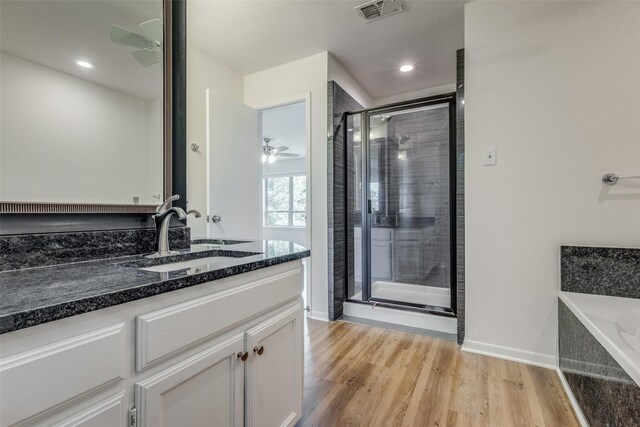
163	333
45	378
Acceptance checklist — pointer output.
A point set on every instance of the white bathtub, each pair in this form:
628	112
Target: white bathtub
614	322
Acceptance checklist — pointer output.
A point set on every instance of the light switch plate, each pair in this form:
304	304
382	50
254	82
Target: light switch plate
490	156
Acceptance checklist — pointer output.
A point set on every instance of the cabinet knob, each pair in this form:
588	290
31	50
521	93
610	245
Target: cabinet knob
258	350
243	355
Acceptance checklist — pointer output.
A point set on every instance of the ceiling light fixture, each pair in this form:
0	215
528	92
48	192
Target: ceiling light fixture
406	68
84	64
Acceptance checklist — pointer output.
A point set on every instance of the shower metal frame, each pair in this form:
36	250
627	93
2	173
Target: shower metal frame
450	100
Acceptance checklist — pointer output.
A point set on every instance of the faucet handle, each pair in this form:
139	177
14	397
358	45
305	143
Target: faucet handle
163	207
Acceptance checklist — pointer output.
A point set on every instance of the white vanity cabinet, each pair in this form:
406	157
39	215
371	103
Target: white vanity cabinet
206	389
223	353
109	412
275	372
257	373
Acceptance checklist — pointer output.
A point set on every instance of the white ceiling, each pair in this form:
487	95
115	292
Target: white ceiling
57	33
249	36
286	126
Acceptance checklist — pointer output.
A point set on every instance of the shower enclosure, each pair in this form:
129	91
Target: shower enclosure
400	204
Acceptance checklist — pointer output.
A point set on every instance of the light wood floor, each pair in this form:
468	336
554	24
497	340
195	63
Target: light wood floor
358	375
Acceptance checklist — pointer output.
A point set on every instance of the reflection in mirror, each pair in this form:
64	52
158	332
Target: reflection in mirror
82	101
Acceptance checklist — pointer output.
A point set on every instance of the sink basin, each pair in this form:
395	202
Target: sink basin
218	242
185	260
199	262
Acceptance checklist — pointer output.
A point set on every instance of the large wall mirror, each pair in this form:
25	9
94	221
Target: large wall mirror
87	96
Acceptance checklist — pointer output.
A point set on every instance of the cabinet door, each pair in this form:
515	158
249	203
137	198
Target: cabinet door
274	373
111	412
206	389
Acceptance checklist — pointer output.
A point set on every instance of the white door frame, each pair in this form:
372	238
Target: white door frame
294	99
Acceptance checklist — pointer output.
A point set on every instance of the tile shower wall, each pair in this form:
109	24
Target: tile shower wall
460	272
414	187
340	257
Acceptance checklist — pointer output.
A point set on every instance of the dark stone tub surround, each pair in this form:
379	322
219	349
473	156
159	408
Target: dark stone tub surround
605	392
600	271
36	250
32	296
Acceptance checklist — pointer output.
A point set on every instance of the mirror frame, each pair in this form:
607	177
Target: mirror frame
174	124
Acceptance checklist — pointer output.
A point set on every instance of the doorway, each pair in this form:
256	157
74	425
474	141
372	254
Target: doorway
285	207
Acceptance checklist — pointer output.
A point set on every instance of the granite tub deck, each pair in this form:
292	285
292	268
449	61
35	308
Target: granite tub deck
32	296
599	332
602	377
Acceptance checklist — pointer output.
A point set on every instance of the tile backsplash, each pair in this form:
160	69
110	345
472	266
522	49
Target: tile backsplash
34	250
602	271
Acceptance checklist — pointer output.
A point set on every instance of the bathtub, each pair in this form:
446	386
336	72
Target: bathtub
614	322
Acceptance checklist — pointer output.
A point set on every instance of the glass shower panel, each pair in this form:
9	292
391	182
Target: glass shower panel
354	206
409	193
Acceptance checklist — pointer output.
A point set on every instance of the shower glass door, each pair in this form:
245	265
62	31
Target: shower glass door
402	193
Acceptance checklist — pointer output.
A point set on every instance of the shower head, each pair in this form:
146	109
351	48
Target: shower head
402	138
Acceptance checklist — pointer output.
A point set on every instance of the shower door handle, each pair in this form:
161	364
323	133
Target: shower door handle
369	204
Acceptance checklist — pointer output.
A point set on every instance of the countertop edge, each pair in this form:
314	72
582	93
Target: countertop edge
12	322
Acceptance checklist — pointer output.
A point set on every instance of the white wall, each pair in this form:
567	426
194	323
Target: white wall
308	75
155	149
553	86
65	139
221	118
283	167
416	94
341	76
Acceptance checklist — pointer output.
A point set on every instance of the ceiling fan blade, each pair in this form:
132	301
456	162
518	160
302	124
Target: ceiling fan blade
146	57
281	148
153	29
129	38
287	155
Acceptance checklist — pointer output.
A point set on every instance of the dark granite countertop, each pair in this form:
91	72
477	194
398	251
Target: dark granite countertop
33	296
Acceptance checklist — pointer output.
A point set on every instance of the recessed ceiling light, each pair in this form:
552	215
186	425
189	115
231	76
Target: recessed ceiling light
84	64
406	68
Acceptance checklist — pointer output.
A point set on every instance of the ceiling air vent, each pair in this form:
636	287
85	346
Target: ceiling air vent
378	9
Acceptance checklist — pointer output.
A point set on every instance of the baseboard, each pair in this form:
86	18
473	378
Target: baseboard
412	319
319	315
574	403
513	354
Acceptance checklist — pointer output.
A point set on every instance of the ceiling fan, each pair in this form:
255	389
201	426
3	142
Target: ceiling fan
150	41
269	153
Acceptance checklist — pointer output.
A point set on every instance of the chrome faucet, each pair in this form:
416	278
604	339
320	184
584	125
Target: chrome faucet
162	219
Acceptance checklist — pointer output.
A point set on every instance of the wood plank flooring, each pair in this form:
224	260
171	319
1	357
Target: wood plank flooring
358	375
